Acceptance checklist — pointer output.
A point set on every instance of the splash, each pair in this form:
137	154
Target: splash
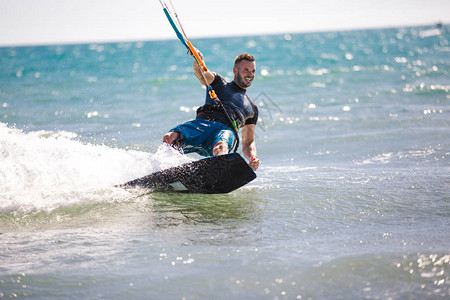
41	171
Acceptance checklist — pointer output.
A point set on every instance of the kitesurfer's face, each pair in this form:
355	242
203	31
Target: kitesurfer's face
244	73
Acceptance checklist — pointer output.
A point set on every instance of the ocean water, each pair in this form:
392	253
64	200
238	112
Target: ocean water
351	201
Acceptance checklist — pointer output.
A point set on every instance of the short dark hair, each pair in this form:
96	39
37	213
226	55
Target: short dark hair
243	56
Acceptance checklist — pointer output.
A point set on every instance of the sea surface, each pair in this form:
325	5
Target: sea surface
352	199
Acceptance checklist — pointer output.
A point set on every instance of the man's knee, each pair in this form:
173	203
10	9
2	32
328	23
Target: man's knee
173	138
168	137
220	148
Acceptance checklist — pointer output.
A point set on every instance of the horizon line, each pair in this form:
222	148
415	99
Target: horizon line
201	37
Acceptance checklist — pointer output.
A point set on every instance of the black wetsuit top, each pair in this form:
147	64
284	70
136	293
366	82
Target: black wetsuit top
239	107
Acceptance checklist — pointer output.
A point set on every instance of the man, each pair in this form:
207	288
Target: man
211	133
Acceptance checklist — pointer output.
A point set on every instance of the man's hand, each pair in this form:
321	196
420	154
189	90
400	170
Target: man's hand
254	162
198	53
205	78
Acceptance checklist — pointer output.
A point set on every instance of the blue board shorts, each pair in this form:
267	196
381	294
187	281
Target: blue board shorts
201	135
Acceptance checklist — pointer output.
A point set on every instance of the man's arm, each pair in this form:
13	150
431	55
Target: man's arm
208	75
249	146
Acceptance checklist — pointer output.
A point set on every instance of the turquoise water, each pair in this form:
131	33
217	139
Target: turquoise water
351	200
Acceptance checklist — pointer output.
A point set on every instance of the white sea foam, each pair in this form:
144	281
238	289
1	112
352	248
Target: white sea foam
45	170
388	157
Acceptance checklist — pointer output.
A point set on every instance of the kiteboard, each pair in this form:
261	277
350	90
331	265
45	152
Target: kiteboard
213	175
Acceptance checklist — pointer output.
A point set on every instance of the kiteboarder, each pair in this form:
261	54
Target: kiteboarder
214	131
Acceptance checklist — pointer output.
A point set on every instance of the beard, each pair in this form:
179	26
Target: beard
240	81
